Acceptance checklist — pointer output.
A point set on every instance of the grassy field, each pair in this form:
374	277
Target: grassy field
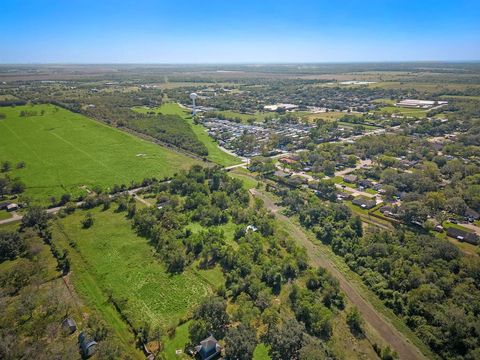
65	152
258	116
215	154
460	97
177	342
328	116
403	111
5	215
384	101
351	126
109	258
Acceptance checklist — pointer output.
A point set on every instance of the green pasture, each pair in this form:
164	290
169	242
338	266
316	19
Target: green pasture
66	152
109	258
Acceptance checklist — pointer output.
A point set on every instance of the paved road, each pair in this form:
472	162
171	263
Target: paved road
54	210
473	227
383	327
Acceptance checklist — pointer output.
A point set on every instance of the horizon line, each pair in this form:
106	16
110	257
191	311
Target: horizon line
460	61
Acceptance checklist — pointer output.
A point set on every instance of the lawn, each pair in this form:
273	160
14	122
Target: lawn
109	258
5	215
215	154
65	152
177	342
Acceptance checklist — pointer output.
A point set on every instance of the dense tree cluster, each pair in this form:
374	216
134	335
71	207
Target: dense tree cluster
425	280
257	262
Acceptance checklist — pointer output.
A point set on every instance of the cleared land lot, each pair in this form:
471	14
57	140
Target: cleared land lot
327	116
215	154
109	258
66	152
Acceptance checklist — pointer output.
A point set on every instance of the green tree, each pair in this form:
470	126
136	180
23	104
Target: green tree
286	340
6	166
355	321
240	343
87	221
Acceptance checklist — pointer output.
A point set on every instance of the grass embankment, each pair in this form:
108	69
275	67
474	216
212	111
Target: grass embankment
66	152
249	181
215	154
110	259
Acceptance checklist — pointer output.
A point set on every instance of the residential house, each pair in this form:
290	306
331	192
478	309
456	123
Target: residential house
208	349
351	179
471	215
12	207
462	235
363	202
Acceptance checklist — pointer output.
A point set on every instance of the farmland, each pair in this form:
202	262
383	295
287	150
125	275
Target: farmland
66	153
110	259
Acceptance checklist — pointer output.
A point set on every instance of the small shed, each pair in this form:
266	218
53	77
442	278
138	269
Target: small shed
12	207
69	326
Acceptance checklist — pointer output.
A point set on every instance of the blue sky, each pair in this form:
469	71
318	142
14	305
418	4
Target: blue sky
184	31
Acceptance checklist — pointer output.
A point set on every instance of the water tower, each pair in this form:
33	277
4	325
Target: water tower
193	96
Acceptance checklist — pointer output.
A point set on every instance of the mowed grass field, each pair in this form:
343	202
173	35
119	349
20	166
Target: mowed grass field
65	152
109	258
413	112
215	154
258	116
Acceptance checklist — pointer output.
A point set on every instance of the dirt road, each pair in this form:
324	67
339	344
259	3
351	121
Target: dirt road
404	348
